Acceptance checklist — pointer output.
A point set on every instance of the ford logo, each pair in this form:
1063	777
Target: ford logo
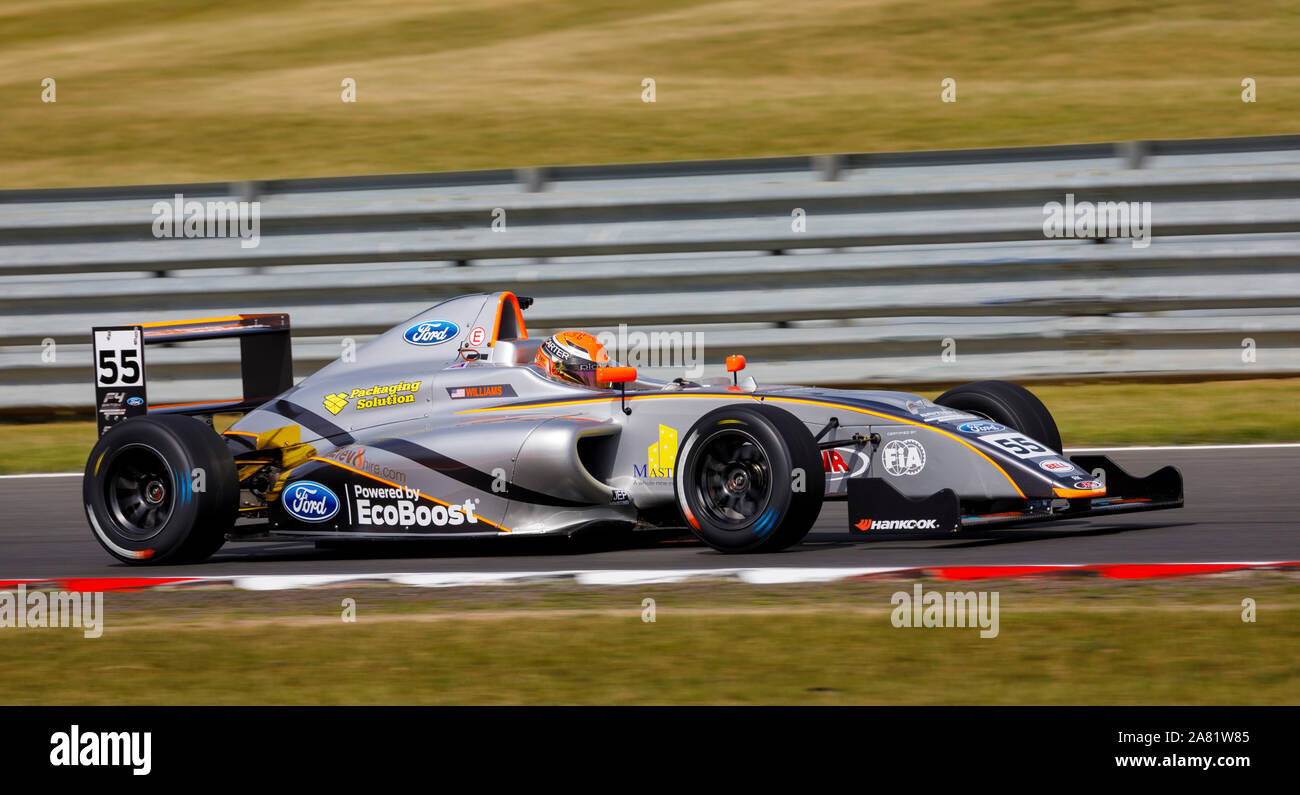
431	332
134	401
309	501
981	427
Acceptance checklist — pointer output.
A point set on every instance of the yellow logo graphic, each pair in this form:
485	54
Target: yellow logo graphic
660	456
335	403
373	397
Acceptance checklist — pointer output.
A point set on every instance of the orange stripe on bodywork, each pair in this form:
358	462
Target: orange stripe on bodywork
194	403
1069	493
955	438
342	465
580	401
191	322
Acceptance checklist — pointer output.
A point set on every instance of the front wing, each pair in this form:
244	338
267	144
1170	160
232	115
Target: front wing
876	507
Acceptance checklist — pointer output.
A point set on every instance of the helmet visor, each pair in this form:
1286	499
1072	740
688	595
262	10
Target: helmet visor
578	371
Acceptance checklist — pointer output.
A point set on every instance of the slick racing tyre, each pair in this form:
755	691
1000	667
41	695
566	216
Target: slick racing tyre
749	479
160	489
1008	404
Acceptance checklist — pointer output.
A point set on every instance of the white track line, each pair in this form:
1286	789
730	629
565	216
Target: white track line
1171	447
753	576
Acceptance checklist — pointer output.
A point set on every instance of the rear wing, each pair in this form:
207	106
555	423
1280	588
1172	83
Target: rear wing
265	364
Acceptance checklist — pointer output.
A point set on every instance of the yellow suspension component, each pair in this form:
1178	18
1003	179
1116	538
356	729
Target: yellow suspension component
286	436
287	441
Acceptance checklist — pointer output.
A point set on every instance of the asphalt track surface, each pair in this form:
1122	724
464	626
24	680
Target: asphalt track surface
1239	507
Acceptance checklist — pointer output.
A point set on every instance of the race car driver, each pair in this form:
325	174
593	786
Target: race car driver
572	357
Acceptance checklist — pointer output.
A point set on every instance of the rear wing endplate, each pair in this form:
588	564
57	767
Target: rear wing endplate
265	363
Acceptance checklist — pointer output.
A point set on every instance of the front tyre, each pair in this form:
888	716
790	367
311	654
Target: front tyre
749	479
160	489
1006	403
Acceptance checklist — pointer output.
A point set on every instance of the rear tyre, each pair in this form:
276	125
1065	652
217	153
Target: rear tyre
749	479
1008	404
160	489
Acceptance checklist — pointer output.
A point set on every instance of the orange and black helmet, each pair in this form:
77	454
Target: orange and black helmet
573	356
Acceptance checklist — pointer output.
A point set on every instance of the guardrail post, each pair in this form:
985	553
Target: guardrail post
1132	153
533	179
246	191
828	167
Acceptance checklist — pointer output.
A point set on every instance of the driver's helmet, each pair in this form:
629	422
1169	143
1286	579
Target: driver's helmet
572	357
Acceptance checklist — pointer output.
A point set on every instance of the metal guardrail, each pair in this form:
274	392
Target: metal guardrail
899	253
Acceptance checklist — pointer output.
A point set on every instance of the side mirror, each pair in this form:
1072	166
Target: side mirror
621	376
735	363
615	375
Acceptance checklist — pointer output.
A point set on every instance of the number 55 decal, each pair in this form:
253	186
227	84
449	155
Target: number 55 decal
119	357
1017	444
119	374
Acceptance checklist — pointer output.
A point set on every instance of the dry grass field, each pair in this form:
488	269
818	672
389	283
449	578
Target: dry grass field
165	91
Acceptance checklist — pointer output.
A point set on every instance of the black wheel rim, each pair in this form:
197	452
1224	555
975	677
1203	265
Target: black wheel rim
733	479
138	491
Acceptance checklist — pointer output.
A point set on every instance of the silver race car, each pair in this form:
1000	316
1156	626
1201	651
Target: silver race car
456	423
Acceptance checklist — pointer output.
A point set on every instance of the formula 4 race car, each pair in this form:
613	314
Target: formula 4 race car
443	427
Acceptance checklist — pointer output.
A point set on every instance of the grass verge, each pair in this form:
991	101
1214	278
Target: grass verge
1059	642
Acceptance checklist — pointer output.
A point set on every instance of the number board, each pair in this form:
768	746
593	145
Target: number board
119	374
